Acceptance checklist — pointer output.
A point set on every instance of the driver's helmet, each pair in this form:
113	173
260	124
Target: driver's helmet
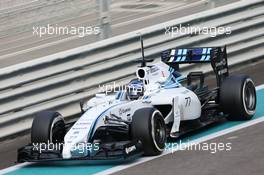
135	89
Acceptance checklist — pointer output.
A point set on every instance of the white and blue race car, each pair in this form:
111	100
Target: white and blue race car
159	104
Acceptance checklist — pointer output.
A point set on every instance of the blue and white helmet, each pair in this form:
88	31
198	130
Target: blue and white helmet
135	89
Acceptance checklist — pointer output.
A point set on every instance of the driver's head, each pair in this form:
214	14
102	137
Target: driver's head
135	89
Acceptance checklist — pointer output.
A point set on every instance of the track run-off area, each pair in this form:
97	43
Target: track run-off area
89	167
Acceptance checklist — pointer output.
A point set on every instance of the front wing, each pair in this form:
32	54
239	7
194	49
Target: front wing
114	151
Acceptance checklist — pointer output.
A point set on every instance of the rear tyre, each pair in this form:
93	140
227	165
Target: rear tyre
238	97
48	126
148	126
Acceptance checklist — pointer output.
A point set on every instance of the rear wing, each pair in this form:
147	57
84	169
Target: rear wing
217	56
183	55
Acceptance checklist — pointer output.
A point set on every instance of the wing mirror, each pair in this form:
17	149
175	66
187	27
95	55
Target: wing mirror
83	106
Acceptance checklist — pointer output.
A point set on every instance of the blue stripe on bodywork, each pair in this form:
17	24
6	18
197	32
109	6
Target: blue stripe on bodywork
119	95
184	53
146	97
204	52
173	84
208	56
91	132
179	55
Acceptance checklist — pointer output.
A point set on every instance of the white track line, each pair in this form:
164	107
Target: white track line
260	87
13	168
145	159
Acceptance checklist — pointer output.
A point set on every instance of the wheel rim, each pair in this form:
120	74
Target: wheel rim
56	130
158	131
249	97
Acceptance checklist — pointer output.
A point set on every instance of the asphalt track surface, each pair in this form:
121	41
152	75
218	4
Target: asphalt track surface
246	156
25	46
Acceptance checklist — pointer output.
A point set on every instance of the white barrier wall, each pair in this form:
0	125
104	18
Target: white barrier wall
61	80
21	15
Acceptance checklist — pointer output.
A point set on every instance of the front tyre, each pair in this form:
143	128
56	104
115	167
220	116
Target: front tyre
148	126
48	126
238	97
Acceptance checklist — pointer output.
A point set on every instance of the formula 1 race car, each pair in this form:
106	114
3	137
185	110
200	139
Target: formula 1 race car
159	104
